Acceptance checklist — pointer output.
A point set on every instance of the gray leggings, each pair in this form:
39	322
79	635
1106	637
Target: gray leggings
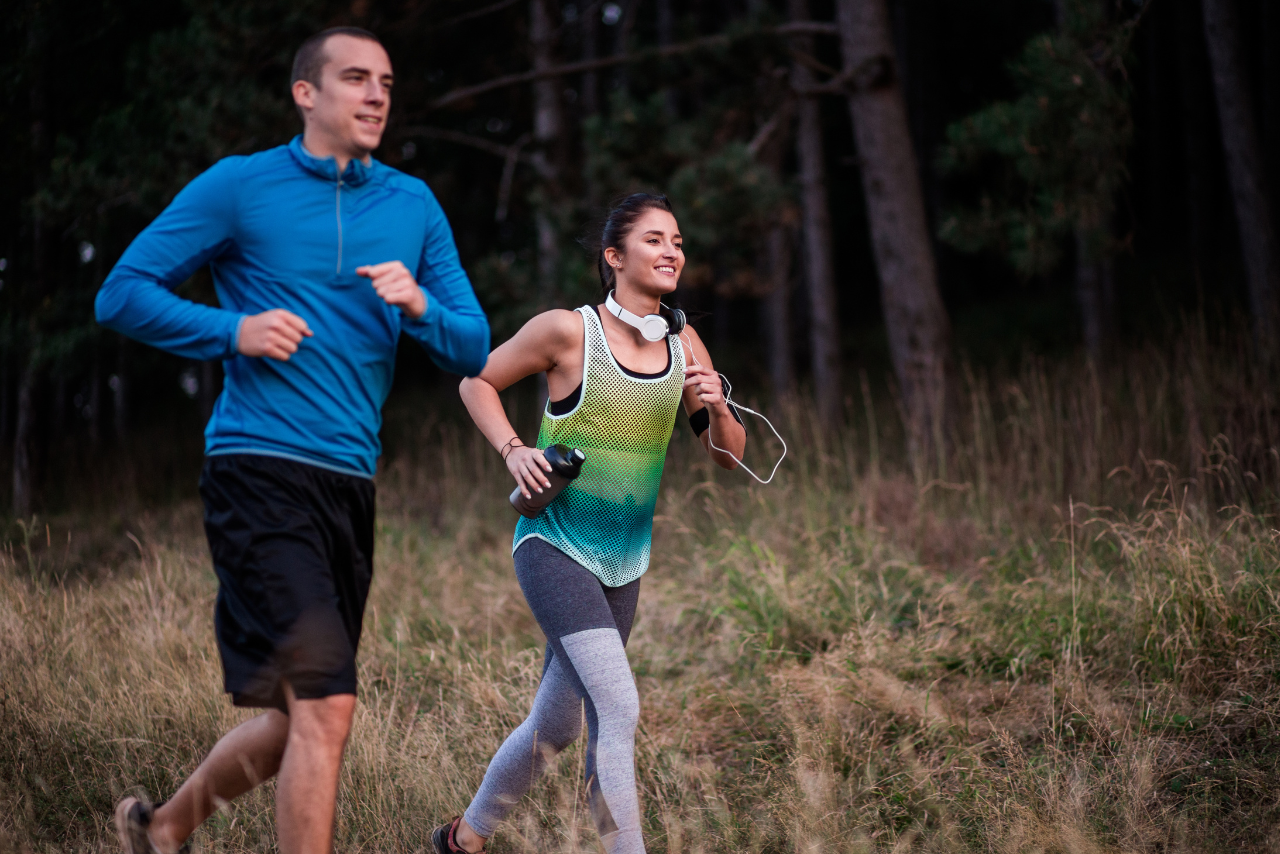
586	625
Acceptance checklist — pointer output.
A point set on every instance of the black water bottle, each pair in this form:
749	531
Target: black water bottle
566	464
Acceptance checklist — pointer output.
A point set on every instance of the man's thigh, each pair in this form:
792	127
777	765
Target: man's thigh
292	548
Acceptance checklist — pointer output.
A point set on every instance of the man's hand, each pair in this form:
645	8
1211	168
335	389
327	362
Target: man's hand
274	334
397	287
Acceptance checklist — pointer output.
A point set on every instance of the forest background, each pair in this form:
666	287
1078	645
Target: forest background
1005	271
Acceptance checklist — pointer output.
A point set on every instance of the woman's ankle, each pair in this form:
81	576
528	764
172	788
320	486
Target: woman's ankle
467	839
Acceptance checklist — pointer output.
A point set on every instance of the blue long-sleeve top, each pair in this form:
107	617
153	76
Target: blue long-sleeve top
282	229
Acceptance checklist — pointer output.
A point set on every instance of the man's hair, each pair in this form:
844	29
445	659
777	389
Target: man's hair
309	61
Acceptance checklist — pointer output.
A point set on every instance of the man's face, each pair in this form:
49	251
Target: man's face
349	108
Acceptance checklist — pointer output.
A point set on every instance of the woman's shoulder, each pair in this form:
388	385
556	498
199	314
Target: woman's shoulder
559	324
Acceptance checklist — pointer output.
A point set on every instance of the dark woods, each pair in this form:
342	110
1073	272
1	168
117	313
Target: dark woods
868	188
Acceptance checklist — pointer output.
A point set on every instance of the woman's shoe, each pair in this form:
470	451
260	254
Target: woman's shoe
444	839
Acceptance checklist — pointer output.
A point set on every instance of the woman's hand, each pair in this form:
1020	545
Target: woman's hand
705	383
527	466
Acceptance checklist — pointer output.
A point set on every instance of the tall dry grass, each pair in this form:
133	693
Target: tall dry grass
1060	637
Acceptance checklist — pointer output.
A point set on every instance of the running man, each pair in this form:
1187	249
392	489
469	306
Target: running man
616	374
321	257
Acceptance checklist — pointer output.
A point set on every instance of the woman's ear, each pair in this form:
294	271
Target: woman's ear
613	258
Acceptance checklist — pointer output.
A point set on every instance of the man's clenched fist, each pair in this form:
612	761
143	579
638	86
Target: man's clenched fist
396	286
274	334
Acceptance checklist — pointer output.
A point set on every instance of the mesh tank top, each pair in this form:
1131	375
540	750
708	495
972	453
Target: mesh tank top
604	518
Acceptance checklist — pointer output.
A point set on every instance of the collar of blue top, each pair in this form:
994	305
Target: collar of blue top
356	173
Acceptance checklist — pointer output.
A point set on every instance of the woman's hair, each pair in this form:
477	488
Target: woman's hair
618	225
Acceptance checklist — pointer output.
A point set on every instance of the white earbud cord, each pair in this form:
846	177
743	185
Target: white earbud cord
728	398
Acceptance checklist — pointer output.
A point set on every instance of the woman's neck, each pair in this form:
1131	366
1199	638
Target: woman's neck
636	302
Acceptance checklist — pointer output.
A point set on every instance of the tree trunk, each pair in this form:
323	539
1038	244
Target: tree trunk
1192	75
1271	99
209	388
58	427
24	432
915	317
1095	294
590	50
95	400
622	39
777	309
4	394
666	36
824	314
548	125
1244	167
1095	280
120	392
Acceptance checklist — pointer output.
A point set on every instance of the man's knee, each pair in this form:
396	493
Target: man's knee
275	726
325	721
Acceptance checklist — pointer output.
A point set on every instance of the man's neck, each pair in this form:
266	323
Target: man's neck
321	147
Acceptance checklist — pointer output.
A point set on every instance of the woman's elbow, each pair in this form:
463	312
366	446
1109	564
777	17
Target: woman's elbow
726	462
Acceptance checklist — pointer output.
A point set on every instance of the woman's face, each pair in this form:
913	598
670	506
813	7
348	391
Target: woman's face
653	257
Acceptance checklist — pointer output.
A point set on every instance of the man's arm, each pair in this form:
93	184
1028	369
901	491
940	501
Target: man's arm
137	298
453	328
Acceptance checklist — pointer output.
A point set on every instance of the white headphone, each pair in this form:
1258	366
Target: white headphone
654	327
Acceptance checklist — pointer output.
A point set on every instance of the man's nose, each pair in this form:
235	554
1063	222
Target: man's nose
374	92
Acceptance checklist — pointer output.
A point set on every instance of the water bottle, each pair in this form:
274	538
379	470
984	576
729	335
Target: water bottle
566	463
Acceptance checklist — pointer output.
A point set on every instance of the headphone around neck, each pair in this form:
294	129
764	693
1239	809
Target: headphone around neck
654	327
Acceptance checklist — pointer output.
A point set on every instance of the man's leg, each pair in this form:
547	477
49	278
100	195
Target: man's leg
241	759
307	789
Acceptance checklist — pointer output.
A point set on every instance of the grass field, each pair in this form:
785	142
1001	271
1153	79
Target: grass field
1062	637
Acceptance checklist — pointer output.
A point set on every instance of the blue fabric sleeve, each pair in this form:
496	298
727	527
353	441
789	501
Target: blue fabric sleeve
454	329
137	298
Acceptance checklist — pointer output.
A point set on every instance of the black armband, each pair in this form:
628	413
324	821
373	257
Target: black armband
700	421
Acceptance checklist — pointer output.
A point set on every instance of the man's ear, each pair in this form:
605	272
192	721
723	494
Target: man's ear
304	94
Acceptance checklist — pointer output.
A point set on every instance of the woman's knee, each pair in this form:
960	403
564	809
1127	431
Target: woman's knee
619	709
560	730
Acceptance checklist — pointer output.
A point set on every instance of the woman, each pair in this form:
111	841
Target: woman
613	392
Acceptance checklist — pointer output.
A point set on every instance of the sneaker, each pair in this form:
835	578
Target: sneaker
444	841
133	817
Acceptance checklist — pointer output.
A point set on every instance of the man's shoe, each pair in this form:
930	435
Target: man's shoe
444	840
133	817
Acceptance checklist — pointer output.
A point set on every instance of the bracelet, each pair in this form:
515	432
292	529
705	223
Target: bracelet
502	452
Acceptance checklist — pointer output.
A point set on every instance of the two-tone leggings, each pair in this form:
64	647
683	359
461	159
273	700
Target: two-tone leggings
587	625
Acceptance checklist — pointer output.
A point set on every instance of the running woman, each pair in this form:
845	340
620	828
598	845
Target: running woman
322	257
614	394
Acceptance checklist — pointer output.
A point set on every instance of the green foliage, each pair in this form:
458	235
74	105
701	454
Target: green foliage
208	80
1051	161
721	194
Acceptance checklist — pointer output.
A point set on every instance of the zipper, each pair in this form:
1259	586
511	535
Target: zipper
338	201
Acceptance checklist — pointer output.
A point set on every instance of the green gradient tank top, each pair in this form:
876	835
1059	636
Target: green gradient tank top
604	518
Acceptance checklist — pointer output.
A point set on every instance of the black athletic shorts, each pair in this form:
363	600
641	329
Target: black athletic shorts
292	547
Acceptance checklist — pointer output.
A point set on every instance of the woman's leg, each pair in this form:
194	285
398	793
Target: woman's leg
585	624
552	725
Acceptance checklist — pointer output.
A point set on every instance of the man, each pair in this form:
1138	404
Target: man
321	257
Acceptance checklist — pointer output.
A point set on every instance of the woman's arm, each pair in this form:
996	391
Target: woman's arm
539	346
702	389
